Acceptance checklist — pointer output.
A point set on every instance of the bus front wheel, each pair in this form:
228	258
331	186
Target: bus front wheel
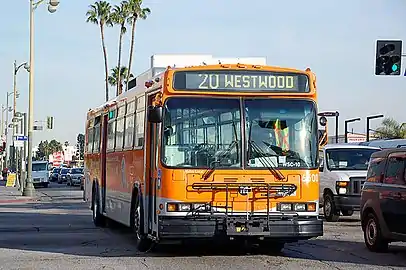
144	244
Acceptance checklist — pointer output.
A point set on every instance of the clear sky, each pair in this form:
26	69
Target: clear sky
335	38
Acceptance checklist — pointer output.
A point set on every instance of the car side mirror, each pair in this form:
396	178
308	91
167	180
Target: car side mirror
155	114
321	168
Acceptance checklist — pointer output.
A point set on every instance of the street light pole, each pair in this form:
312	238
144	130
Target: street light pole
370	118
29	188
6	130
15	93
346	126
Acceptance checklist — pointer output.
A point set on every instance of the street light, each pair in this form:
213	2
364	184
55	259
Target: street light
370	118
29	189
16	69
346	126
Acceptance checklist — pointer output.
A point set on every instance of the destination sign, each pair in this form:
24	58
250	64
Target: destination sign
240	80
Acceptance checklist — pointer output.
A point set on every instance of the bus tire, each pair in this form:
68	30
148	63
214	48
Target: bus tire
98	219
144	244
329	209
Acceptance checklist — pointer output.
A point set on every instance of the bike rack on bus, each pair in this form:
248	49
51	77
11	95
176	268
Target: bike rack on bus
272	190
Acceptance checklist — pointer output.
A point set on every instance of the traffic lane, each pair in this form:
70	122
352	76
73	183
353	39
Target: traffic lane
61	235
62	192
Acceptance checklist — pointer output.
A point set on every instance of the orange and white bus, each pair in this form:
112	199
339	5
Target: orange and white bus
212	151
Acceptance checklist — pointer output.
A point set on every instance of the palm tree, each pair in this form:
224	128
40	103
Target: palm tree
135	12
113	78
119	16
391	129
99	13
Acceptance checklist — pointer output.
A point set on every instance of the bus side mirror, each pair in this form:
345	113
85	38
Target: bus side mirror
155	114
323	121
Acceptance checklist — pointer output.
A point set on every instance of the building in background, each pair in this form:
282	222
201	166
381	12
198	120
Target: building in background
351	138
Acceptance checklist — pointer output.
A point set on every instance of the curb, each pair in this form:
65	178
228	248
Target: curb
17	200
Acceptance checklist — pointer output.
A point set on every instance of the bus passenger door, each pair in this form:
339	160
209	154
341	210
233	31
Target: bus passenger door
151	146
103	160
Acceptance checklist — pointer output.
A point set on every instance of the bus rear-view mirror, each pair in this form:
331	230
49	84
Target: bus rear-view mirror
155	114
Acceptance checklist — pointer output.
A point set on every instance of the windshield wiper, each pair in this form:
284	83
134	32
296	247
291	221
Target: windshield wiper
265	162
262	156
224	154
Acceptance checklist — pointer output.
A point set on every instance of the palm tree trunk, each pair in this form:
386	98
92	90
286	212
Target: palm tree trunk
106	68
120	42
130	57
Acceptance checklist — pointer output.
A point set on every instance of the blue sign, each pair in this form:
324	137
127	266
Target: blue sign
21	138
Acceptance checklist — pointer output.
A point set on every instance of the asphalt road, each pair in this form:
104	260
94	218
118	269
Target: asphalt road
58	234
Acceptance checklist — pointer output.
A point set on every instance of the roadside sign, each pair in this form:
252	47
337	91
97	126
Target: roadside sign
21	138
11	180
328	114
18	143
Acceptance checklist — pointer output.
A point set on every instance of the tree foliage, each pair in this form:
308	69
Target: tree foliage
100	14
126	13
391	129
46	148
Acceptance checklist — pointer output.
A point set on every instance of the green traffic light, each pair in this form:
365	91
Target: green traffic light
395	67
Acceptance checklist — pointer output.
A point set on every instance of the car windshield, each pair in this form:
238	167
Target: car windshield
64	171
76	171
348	159
283	131
199	132
56	170
36	167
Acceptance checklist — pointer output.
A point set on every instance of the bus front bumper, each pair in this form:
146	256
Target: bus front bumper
288	229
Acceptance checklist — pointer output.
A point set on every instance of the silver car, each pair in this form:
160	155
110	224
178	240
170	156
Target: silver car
75	177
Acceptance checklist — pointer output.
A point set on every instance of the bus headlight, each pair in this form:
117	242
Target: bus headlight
300	206
184	207
285	207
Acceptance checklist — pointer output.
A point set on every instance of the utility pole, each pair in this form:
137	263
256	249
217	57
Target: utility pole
29	189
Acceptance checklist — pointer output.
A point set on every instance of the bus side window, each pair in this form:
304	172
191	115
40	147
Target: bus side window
140	128
90	140
139	121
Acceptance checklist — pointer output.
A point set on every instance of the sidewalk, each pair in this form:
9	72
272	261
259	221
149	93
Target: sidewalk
12	195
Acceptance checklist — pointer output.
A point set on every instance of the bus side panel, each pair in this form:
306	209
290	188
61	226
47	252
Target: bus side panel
92	173
123	169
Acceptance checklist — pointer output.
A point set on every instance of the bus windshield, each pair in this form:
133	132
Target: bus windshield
284	130
201	131
197	131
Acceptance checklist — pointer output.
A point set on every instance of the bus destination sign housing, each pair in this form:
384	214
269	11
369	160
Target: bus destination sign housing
240	81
